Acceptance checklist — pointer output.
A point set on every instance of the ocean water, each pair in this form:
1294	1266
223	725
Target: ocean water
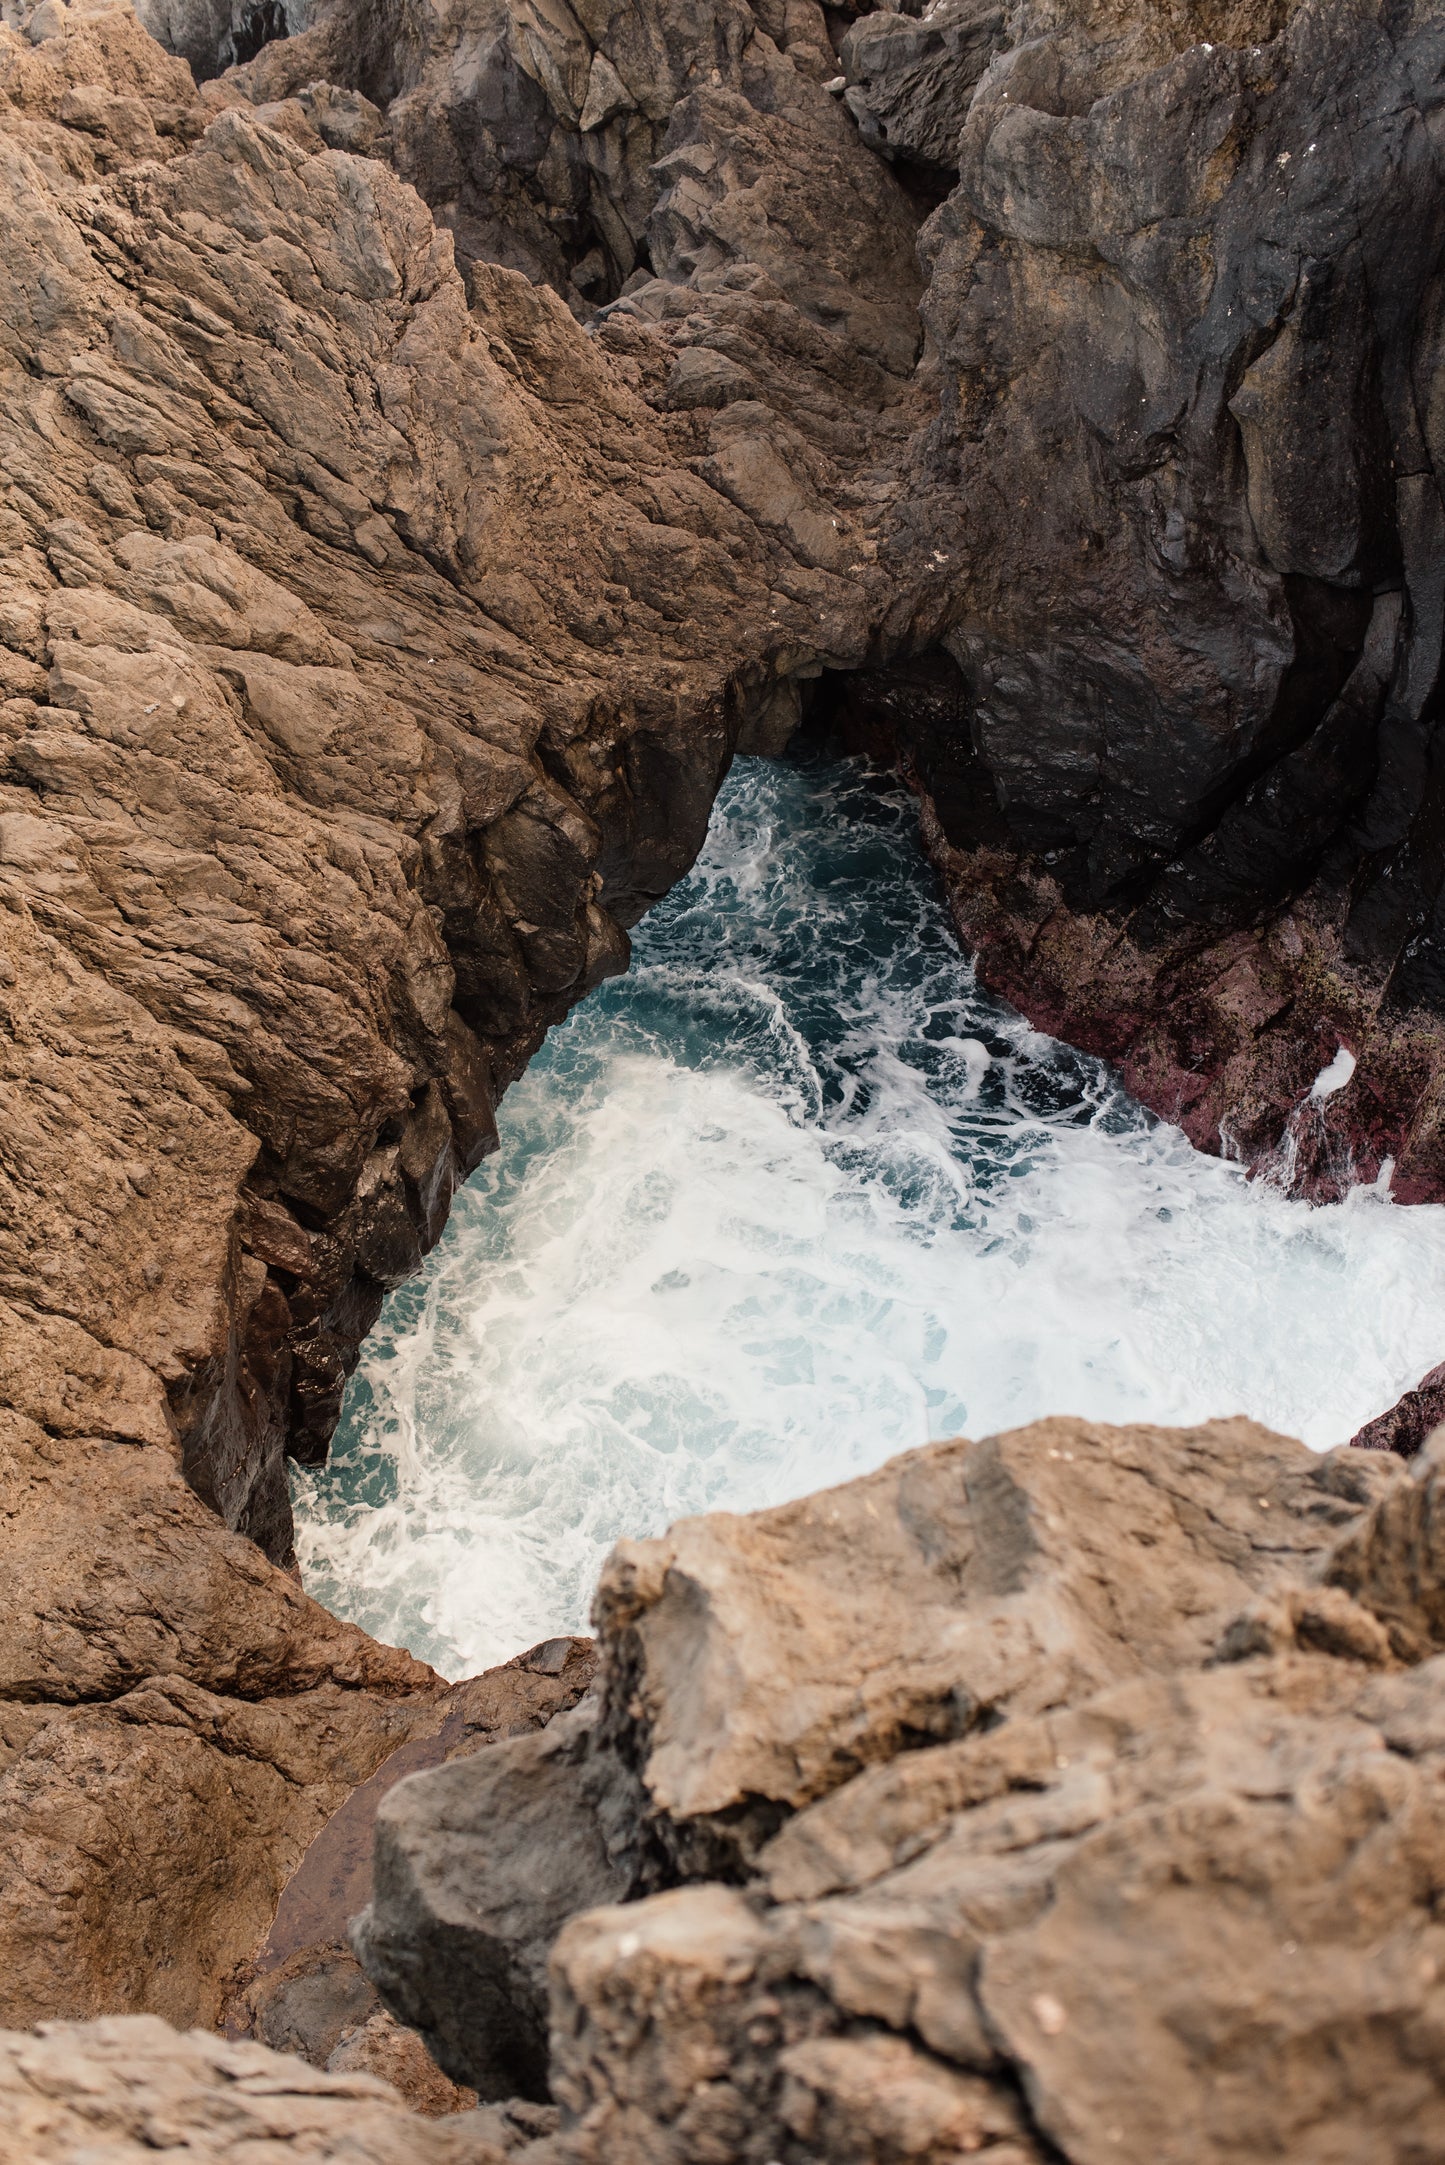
792	1196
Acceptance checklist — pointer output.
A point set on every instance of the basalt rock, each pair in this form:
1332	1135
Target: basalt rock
1184	497
1069	1795
306	1992
910	82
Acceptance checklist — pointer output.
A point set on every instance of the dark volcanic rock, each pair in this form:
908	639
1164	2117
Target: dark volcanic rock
910	83
1180	507
1185	500
306	1993
477	1870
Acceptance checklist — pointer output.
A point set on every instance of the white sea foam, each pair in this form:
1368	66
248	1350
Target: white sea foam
791	1197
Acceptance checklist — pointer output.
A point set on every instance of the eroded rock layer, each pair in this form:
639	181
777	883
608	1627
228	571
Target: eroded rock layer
1069	1795
128	2088
1177	521
370	661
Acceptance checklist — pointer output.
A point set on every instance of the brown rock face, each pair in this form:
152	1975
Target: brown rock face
375	663
177	1720
1069	1795
126	2087
1175	525
374	635
370	653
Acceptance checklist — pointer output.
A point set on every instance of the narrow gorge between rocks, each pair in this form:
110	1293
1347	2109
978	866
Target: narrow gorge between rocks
722	1082
792	1196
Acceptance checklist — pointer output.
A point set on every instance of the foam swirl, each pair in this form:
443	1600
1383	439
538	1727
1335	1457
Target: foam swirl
794	1195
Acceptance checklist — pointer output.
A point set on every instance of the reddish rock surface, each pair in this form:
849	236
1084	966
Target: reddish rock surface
1405	1427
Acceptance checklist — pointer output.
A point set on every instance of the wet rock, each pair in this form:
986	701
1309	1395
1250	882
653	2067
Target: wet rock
1406	1426
1192	621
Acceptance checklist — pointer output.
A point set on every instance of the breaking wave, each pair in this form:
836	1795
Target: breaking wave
792	1196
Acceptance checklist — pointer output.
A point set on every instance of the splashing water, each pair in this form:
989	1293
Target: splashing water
792	1196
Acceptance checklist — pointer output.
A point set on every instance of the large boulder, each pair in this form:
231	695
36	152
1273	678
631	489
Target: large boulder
989	1797
1190	1920
478	1867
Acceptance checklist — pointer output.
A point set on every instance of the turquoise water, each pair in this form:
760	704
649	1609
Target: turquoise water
795	1195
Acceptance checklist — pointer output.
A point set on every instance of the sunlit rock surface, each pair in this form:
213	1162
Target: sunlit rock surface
370	662
1070	1794
129	2088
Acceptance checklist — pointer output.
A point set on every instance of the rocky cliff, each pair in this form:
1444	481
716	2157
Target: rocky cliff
1070	1795
430	448
371	650
1167	541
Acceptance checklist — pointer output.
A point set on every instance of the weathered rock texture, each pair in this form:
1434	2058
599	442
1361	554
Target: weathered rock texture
1185	495
1175	523
129	2089
378	614
1405	1427
369	663
1070	1795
